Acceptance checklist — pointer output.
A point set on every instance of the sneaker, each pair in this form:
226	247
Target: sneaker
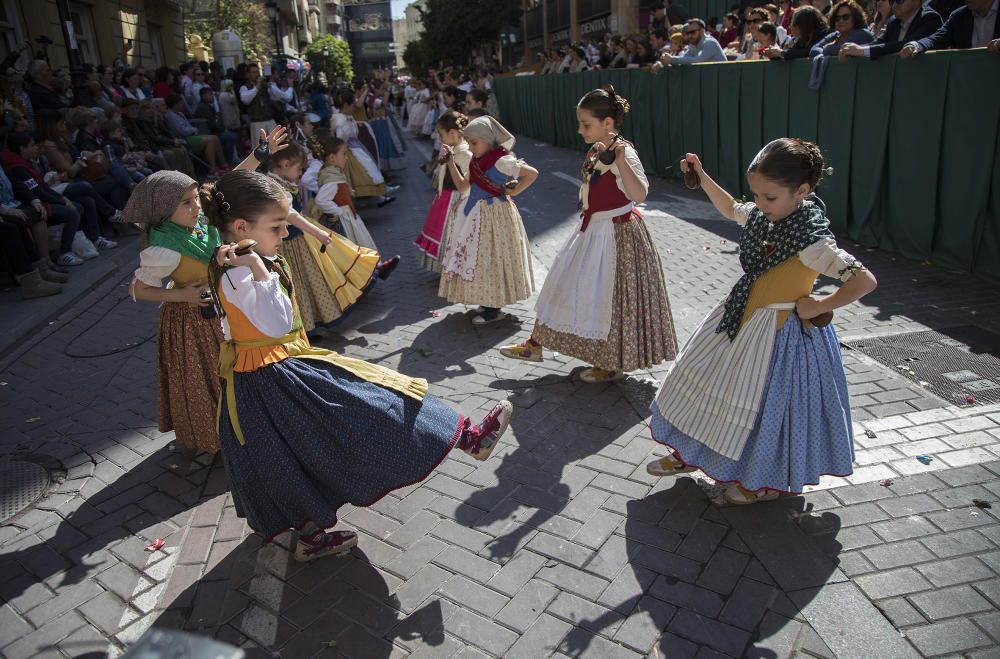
385	268
525	351
387	200
391	188
488	317
118	218
324	543
668	466
69	259
103	243
483	438
594	375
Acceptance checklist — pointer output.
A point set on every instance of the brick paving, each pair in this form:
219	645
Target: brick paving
560	544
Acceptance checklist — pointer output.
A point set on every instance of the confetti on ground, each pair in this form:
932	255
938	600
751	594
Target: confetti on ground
33	419
969	399
870	434
925	459
435	314
886	482
156	544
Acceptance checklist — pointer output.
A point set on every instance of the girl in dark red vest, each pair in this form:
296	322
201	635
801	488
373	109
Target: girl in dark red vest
486	260
604	300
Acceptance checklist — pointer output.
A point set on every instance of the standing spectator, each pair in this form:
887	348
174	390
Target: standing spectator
207	146
254	96
200	82
187	85
658	19
42	92
229	107
808	27
911	20
320	104
850	26
700	46
973	26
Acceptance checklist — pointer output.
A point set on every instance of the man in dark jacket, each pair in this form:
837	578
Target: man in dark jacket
910	21
973	26
41	92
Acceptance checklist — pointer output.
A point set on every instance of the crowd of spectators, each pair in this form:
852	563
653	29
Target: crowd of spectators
72	147
787	30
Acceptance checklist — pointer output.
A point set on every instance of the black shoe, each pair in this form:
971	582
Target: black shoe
386	267
387	200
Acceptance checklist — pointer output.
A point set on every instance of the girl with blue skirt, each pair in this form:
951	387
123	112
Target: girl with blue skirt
758	397
303	430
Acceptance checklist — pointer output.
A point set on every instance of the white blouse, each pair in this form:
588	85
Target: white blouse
344	127
155	265
264	303
509	165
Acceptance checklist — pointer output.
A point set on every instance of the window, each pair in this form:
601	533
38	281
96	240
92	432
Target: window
83	32
155	45
11	35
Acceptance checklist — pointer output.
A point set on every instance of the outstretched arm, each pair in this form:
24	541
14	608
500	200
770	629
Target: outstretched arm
722	200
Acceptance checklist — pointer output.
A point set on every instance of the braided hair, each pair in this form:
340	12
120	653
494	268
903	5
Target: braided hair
452	120
324	143
604	103
790	162
241	193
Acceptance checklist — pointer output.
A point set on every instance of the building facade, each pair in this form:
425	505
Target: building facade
548	24
141	32
369	33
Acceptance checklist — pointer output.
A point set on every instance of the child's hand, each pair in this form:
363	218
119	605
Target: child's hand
325	238
808	307
192	293
276	140
227	256
691	160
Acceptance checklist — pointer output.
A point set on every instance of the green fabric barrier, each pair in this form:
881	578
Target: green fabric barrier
915	144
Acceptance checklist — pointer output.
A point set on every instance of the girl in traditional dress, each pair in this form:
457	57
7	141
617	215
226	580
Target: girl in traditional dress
305	430
329	272
487	261
334	196
180	246
446	204
421	106
362	172
604	300
758	396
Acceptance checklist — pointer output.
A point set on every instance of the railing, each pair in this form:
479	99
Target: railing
914	143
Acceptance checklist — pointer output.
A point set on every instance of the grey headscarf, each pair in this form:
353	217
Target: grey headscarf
157	197
489	130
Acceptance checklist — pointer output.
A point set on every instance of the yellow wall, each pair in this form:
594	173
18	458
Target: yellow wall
113	22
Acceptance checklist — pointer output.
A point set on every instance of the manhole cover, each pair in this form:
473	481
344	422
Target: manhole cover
22	483
953	363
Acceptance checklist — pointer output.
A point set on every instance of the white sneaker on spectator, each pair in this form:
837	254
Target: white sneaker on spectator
103	243
69	258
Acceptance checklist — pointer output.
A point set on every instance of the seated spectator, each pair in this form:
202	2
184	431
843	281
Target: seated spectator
644	54
123	151
748	44
658	40
110	95
850	26
19	252
143	139
23	252
89	169
973	26
911	21
90	140
676	46
206	110
880	21
31	190
774	17
808	27
619	58
164	84
700	47
133	86
767	37
41	91
730	30
207	146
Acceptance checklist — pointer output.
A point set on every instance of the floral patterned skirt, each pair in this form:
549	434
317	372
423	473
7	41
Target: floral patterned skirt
642	329
187	375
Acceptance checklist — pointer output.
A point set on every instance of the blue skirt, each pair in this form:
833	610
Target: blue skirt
384	139
803	429
318	437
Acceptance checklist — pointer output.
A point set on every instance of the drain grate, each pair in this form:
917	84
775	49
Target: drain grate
952	363
22	483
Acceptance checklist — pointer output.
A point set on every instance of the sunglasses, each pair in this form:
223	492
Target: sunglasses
843	17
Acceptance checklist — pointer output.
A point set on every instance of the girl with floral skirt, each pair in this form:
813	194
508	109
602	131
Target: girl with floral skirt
487	261
446	204
604	300
303	430
758	397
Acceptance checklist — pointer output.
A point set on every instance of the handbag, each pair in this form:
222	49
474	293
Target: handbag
97	167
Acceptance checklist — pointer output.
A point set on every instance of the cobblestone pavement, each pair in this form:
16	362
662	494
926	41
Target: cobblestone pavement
558	545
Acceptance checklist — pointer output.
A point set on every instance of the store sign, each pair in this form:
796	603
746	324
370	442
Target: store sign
536	44
596	28
559	37
376	47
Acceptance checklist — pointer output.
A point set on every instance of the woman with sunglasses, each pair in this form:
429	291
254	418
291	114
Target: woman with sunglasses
849	26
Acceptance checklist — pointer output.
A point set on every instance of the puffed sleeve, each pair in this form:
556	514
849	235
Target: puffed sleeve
826	258
632	160
155	265
264	303
462	159
742	211
509	165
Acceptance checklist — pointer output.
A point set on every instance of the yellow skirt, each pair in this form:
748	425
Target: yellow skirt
327	283
360	181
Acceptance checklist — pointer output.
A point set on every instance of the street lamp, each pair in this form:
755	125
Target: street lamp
272	11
